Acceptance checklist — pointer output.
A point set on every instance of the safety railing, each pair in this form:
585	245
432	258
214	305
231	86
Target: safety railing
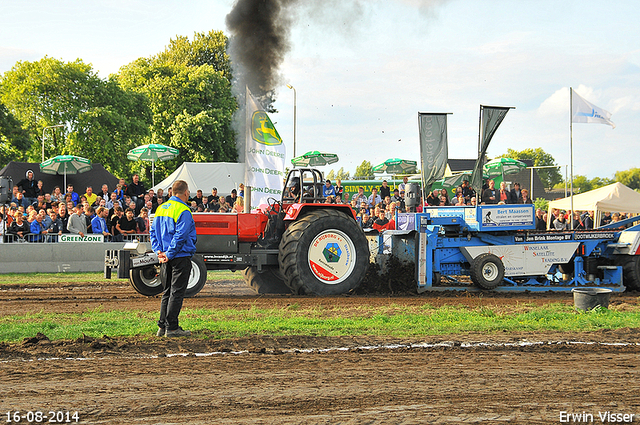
46	238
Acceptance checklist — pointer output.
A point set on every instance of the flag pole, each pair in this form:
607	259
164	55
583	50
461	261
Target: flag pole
571	150
481	160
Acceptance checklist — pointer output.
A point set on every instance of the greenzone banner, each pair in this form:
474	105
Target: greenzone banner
490	119
434	149
265	155
65	237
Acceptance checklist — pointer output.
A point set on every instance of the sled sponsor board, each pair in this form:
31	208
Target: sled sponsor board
526	259
506	217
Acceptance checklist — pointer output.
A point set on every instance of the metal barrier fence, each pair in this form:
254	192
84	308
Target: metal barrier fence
43	239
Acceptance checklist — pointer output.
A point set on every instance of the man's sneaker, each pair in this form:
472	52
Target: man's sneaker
161	332
177	333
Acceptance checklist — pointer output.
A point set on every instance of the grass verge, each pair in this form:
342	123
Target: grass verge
395	321
97	277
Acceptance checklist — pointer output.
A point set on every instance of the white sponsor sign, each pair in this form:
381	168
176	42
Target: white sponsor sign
148	259
77	238
526	259
507	216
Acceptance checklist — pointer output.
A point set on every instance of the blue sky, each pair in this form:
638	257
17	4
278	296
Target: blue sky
363	70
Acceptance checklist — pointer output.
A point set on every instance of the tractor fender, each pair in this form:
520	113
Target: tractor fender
296	211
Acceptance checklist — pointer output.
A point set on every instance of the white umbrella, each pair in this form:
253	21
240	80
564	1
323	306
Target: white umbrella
153	152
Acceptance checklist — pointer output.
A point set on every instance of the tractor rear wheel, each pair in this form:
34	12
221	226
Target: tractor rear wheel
323	253
269	281
487	271
630	271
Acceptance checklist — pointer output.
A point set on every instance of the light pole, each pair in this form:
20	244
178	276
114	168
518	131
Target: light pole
43	130
294	117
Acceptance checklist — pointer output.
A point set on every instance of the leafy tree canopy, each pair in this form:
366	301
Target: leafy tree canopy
582	184
205	49
364	171
14	140
630	178
341	174
189	91
100	119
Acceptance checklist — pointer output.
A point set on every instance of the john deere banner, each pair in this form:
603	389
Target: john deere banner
433	147
490	119
265	155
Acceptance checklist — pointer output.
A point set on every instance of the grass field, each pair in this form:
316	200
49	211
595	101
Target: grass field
292	319
395	321
53	278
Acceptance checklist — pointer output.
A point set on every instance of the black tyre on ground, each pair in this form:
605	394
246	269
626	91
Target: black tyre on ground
487	271
630	271
148	280
268	282
198	276
323	253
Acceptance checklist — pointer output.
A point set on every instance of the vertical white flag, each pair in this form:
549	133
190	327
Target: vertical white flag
265	155
583	111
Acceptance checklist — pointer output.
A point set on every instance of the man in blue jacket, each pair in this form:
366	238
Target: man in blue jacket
173	238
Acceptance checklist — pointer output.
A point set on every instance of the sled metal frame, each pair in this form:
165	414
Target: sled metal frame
440	243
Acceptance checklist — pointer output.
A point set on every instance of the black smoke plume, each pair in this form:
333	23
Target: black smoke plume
259	40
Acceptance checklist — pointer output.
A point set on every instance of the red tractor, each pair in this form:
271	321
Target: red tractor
298	244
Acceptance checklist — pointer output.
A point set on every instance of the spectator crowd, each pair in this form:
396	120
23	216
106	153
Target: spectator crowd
35	214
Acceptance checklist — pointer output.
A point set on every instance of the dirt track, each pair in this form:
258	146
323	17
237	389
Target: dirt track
522	378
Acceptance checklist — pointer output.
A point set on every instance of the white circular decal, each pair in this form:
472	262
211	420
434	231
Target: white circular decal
332	256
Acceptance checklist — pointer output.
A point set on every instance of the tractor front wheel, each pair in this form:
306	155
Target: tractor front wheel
148	280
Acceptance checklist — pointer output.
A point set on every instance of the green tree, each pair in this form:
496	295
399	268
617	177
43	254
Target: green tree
189	91
630	178
542	204
14	140
342	175
364	171
100	119
191	109
205	49
582	184
330	175
549	176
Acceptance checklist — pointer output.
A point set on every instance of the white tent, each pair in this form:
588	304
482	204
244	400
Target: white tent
615	197
224	176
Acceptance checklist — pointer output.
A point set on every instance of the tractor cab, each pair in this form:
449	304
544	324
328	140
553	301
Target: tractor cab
303	185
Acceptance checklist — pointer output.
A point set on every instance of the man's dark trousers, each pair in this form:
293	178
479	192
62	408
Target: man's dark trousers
177	275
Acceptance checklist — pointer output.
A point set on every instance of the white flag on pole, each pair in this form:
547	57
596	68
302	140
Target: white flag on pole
583	111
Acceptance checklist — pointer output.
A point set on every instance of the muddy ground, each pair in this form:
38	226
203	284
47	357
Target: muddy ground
524	378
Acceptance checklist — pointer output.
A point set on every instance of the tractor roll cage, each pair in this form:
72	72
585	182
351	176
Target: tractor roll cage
303	185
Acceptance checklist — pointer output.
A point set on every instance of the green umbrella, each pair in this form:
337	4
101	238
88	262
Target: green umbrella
153	152
501	166
396	166
455	180
314	159
65	164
